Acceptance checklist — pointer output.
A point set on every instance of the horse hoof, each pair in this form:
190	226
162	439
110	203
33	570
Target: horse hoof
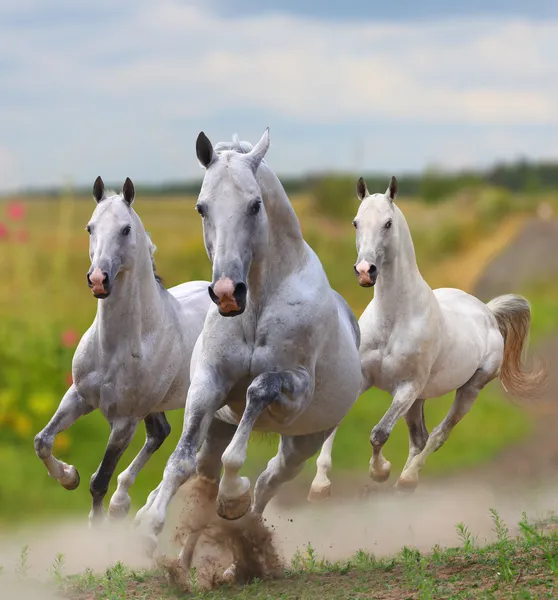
229	575
147	540
234	508
319	493
380	475
406	485
70	480
119	511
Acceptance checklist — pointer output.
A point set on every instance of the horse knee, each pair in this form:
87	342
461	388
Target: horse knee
379	437
263	390
43	446
98	486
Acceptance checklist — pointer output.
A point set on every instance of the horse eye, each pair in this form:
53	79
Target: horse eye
88	229
255	208
200	209
126	230
355	224
388	224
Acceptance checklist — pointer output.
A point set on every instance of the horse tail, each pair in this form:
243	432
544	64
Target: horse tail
513	315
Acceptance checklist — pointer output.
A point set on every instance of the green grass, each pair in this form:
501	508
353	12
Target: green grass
521	567
45	294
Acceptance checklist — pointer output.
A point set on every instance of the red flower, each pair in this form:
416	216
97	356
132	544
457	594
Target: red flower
69	379
16	211
70	338
22	236
4	232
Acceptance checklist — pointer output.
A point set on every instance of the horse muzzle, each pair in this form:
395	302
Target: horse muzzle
366	273
99	283
228	296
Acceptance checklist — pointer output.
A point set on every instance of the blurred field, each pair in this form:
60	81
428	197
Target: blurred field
45	306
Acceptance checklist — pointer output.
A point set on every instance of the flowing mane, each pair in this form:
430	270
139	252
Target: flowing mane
152	249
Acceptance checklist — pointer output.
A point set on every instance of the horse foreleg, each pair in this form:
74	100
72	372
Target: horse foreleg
71	408
403	399
121	434
157	430
464	400
321	485
294	451
284	394
206	394
201	500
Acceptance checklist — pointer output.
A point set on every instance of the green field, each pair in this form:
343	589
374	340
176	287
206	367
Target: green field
45	306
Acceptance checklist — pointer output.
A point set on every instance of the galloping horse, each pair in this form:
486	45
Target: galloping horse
279	348
418	343
133	362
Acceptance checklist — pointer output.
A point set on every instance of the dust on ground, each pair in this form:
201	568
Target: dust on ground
381	523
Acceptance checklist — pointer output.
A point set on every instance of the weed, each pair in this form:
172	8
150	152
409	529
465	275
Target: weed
504	547
466	537
22	567
56	568
536	539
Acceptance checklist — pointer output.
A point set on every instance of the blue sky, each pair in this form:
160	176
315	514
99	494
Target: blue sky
123	88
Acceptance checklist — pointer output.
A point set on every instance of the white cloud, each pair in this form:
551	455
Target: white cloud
72	84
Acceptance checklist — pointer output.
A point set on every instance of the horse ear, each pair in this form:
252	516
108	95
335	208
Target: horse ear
98	190
204	150
362	190
256	155
391	192
128	192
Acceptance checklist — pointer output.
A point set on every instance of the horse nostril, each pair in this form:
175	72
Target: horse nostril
372	271
89	280
240	293
213	295
355	269
105	278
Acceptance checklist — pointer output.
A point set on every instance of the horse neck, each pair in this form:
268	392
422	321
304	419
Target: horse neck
134	306
285	251
399	284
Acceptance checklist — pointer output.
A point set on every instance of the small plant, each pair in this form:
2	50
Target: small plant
22	567
194	582
503	546
114	582
536	539
466	537
56	568
311	557
415	568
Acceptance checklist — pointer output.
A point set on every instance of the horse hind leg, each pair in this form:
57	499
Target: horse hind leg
418	433
289	461
157	430
320	489
465	397
121	435
71	408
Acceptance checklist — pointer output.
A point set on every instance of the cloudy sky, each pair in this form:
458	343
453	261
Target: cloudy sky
123	88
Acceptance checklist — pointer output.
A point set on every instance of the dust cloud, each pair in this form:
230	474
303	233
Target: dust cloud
381	524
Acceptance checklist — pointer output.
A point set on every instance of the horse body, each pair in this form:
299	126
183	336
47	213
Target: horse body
133	362
419	344
286	358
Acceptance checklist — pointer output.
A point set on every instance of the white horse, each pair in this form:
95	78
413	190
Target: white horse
418	343
279	348
133	362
